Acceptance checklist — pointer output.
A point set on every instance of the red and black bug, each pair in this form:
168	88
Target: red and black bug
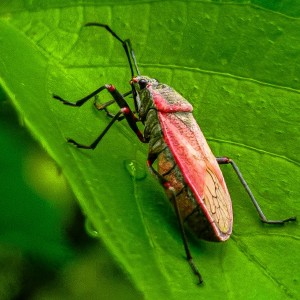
187	169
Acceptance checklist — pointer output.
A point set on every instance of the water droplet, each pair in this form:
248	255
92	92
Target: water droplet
224	61
135	169
90	229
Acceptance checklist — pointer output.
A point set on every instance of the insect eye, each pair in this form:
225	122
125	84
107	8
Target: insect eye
143	83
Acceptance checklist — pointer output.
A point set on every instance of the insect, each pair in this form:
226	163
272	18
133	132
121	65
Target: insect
186	167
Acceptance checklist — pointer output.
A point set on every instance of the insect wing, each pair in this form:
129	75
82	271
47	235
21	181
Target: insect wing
199	168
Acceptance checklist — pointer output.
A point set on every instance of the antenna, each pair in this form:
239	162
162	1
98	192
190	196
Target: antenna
126	45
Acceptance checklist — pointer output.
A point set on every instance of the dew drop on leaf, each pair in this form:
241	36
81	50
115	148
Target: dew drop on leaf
90	229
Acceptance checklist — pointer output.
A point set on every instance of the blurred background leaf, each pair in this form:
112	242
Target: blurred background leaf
237	63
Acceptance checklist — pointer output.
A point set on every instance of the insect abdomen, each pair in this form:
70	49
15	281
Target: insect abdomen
200	211
190	210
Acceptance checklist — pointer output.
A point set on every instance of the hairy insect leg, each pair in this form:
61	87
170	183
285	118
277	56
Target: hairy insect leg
171	193
226	160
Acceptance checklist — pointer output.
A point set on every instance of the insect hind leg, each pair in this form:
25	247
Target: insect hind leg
171	193
226	160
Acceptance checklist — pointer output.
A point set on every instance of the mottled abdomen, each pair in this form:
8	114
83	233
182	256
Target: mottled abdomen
190	210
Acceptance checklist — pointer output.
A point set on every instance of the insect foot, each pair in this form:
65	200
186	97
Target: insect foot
195	270
71	141
63	100
291	219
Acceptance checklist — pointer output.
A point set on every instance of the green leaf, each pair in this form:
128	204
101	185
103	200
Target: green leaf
237	63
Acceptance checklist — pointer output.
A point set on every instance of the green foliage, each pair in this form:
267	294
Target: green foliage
236	62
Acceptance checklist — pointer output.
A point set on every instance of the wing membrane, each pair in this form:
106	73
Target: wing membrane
199	168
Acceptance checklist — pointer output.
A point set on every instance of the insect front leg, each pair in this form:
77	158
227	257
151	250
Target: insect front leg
124	109
226	160
80	102
171	193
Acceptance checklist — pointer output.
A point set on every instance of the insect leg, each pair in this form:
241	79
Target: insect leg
124	109
80	101
226	160
109	114
100	106
98	139
171	192
104	106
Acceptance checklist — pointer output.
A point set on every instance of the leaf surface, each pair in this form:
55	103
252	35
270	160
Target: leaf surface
237	63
